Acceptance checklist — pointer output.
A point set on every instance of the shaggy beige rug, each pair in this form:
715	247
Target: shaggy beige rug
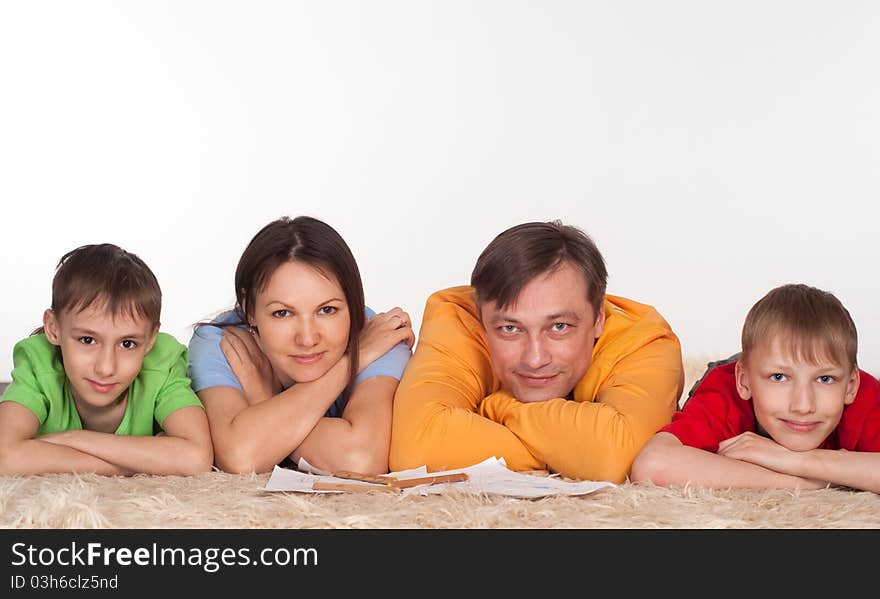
219	500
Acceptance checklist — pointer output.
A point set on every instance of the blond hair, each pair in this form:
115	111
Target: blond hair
810	323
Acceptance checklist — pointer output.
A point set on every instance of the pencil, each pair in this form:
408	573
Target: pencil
430	480
367	478
319	486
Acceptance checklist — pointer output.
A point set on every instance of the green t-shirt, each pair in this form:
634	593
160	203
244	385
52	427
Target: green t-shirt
40	384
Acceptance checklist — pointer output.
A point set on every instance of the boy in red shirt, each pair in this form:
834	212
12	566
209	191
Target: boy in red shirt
793	410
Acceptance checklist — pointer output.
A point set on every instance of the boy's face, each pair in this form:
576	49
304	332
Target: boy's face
542	345
796	402
102	355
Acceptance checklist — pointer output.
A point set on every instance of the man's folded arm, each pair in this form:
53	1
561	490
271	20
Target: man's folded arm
435	420
598	440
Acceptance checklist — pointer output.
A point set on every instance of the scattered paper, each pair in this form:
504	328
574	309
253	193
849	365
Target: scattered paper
285	479
491	477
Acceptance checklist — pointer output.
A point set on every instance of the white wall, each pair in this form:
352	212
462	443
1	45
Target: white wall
712	149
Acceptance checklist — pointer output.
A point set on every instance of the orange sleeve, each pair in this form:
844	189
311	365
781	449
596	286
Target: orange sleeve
435	420
598	438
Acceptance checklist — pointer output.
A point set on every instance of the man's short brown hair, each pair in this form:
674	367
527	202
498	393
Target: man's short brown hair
812	323
523	252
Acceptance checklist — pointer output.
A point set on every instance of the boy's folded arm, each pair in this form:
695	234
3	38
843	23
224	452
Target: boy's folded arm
854	469
598	439
665	461
184	449
21	453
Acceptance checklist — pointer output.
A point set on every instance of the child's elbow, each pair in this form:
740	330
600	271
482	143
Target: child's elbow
649	467
16	460
203	464
200	460
7	462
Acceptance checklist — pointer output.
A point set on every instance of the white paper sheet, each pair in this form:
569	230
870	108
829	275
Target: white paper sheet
491	477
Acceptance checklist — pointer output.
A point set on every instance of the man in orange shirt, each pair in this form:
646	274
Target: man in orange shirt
534	363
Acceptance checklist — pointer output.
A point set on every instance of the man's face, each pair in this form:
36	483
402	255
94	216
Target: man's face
796	402
542	344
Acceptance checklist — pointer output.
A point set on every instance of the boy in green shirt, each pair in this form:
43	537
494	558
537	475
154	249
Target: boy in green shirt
98	388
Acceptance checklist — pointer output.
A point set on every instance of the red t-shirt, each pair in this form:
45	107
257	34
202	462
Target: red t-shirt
716	412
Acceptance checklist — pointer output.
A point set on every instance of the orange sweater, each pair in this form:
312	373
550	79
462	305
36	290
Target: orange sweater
450	410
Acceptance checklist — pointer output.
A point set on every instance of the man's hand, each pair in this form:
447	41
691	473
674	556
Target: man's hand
249	364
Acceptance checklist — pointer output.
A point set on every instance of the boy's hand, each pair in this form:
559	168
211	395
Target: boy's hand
764	452
249	364
381	333
753	448
56	438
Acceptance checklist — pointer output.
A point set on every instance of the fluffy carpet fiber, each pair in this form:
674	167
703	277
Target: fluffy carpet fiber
219	500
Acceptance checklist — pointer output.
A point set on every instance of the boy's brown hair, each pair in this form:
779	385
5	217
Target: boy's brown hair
106	273
813	323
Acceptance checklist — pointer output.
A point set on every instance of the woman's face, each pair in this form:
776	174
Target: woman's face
303	322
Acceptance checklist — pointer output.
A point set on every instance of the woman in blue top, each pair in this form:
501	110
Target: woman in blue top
300	368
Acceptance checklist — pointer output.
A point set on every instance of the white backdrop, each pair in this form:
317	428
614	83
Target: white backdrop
712	149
